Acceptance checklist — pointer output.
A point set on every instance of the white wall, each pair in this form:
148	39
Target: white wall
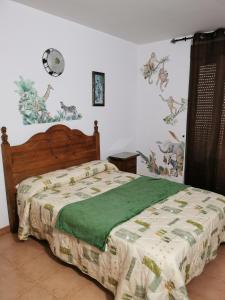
133	116
25	34
151	109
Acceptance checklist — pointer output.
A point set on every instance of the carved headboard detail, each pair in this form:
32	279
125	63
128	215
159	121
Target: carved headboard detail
57	148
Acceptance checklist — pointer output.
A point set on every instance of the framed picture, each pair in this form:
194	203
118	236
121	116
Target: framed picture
98	89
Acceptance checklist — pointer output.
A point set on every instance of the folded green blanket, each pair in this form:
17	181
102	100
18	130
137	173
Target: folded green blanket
92	220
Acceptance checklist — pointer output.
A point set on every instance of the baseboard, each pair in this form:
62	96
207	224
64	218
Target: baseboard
4	230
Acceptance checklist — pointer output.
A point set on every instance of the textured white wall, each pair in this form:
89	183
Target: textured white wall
151	109
25	34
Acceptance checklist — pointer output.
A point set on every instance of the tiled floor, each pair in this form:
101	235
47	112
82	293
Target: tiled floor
28	271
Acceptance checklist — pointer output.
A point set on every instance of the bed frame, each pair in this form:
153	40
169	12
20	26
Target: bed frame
57	148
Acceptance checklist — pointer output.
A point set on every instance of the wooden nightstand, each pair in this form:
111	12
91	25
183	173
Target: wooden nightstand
125	161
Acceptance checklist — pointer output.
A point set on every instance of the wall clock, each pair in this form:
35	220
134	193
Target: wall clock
53	62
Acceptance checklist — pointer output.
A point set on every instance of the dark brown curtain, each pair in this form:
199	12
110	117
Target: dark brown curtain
205	149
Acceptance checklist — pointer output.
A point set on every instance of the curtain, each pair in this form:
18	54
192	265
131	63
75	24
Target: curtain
205	149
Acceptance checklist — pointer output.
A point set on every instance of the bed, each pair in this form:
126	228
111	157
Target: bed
153	255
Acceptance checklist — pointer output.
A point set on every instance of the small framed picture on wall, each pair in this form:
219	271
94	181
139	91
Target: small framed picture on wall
98	89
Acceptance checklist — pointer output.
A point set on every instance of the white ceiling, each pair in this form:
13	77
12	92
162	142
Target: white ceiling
139	21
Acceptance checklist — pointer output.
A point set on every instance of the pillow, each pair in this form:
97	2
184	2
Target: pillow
71	175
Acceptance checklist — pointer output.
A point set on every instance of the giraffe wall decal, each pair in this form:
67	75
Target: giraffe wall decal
47	93
33	107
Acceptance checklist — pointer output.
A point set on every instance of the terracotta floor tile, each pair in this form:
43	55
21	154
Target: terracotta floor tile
210	285
14	284
29	272
62	282
5	267
7	241
42	267
213	269
37	293
90	292
23	251
193	296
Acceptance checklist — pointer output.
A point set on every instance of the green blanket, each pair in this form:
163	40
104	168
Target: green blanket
92	220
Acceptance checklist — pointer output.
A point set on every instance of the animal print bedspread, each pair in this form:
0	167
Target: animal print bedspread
151	256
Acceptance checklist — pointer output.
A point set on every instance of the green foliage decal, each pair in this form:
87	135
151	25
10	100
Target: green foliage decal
33	107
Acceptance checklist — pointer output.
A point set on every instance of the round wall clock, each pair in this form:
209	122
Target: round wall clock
53	62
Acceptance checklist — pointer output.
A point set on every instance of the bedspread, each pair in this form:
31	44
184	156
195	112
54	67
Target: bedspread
151	256
115	207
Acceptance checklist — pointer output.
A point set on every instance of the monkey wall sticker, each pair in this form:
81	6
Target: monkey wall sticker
153	67
33	107
175	108
166	158
163	79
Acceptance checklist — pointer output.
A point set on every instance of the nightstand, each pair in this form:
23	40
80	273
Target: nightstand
125	161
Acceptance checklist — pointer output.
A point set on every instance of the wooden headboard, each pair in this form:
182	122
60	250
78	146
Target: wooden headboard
57	148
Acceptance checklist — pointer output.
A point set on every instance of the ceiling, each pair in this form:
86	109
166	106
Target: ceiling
139	21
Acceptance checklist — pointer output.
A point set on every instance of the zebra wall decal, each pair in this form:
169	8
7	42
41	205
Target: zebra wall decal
33	107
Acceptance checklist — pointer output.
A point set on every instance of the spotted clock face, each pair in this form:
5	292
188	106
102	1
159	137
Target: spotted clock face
53	62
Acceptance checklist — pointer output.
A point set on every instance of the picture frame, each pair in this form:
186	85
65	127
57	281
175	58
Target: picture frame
98	88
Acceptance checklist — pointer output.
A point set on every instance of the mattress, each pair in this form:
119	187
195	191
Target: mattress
151	256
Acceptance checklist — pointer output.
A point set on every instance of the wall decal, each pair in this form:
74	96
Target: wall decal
152	67
173	158
163	79
175	109
33	107
162	90
152	164
69	110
